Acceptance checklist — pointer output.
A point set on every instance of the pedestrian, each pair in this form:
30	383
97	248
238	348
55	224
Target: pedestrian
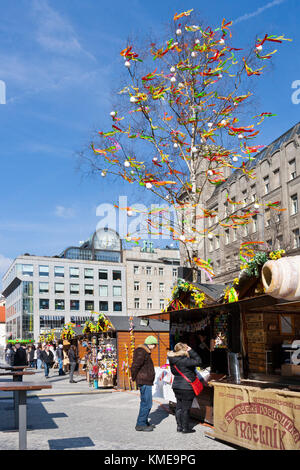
30	356
60	357
9	354
39	361
20	356
143	373
47	358
183	360
73	362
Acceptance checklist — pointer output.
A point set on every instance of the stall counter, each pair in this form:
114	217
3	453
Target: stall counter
256	417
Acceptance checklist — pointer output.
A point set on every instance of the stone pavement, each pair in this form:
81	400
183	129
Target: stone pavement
76	417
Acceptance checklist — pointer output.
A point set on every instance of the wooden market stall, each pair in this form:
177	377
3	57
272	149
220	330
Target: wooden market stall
258	407
127	333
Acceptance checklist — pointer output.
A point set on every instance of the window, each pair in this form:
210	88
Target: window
88	273
174	272
136	285
117	306
226	236
103	305
136	303
50	322
233	206
162	304
74	272
59	271
103	274
44	304
27	269
149	286
44	287
276	178
89	289
59	304
148	270
234	234
116	275
267	217
244	193
89	305
254	223
294	202
296	238
210	244
74	304
136	270
160	271
149	303
59	288
266	184
103	291
217	243
74	288
44	270
292	169
161	287
117	291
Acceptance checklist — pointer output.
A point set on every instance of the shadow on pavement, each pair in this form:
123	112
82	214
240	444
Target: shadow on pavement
157	416
70	443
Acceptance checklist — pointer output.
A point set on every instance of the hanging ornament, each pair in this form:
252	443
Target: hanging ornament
148	185
172	69
127	63
178	32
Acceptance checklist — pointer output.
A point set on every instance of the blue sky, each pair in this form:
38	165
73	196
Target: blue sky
59	60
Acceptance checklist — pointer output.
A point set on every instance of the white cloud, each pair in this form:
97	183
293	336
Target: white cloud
257	12
4	264
64	212
54	32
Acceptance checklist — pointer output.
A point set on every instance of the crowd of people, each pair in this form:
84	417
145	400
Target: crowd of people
43	356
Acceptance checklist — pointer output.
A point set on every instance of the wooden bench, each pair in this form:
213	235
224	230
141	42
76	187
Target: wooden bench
21	389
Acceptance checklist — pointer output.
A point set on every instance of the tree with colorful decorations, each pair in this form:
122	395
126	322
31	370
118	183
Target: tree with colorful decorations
179	128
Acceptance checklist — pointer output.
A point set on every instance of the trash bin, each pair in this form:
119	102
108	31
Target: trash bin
234	367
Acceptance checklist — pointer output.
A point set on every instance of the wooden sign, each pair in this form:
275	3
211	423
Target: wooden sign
257	419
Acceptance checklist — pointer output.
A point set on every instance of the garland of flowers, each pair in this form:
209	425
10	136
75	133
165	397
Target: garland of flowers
68	332
252	267
185	286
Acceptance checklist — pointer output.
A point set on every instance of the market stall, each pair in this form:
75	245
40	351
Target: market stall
254	347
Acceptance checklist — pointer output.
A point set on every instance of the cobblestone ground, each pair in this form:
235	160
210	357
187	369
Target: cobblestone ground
73	416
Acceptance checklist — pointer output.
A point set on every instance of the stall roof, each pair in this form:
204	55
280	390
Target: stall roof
268	303
122	324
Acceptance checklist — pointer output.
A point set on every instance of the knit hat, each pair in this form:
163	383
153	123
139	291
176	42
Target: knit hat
151	340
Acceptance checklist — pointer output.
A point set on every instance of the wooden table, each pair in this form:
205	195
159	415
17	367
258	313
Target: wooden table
21	388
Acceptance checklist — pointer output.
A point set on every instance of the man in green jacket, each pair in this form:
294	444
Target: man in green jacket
143	373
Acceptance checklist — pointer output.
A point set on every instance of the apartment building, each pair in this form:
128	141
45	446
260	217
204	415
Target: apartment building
150	277
277	170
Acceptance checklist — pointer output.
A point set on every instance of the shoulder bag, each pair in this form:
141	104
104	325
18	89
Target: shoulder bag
197	384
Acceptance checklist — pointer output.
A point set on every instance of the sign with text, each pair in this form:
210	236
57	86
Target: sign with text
257	419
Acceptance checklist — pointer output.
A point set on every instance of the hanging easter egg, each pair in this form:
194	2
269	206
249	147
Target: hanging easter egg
210	236
256	206
210	172
178	32
175	145
209	124
172	69
113	113
259	48
197	41
127	64
132	99
129	213
126	163
182	238
148	185
103	173
173	79
241	136
234	159
194	150
194	54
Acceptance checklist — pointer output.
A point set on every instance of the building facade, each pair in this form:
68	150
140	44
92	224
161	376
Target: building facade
150	275
277	170
44	293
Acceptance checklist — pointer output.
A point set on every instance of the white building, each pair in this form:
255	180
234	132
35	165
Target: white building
44	293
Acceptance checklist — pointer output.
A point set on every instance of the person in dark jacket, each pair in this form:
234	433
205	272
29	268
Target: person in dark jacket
20	356
186	360
143	373
48	359
73	362
60	357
